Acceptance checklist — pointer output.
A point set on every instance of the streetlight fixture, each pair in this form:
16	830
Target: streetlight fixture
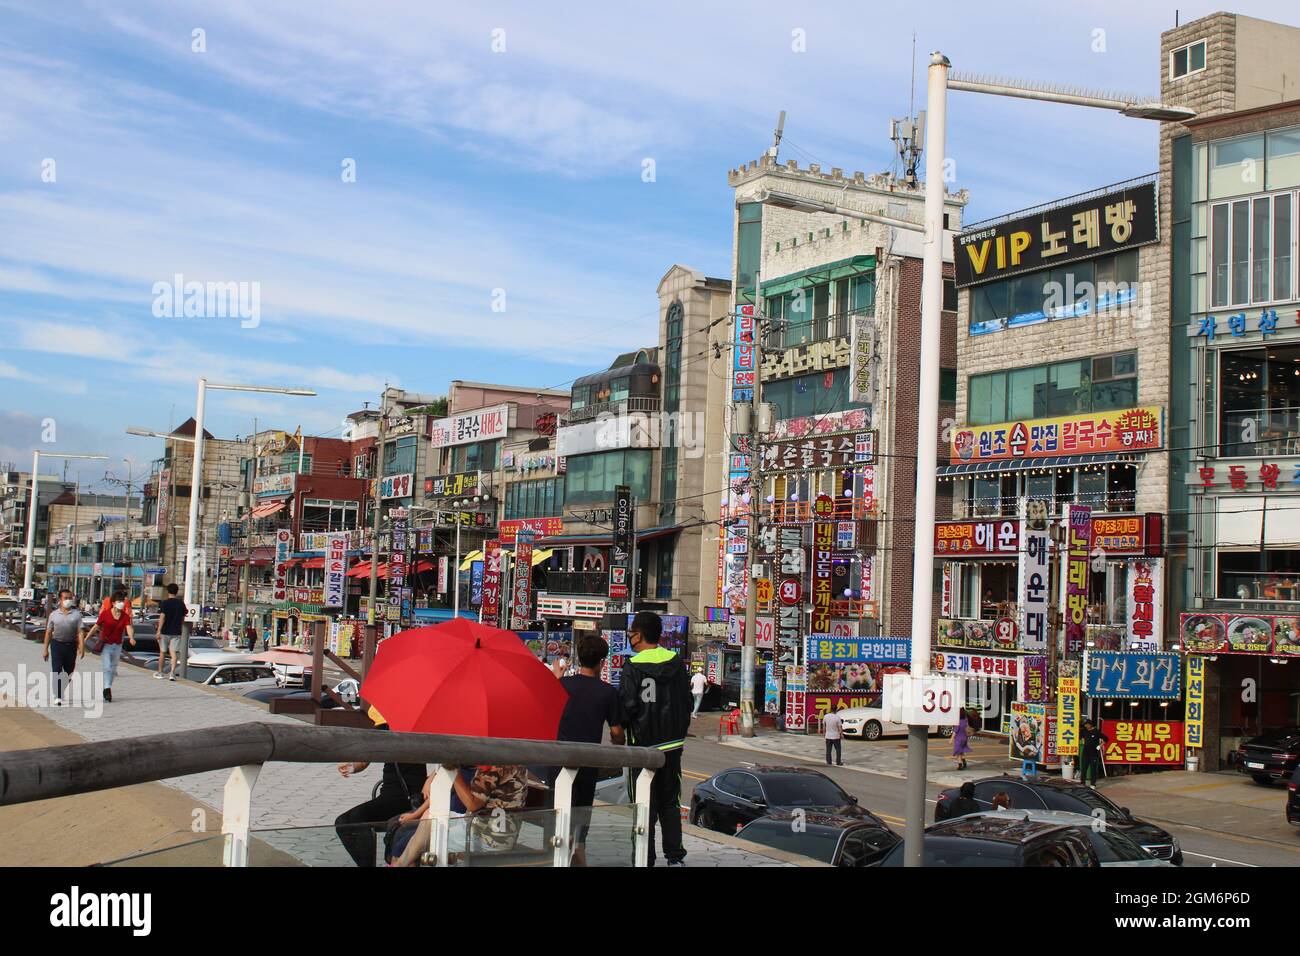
196	486
26	593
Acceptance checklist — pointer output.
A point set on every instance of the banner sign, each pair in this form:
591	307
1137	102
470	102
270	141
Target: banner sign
271	485
1028	732
523	578
976	665
1033	679
1194	709
283	545
484	424
395	486
443	576
1076	564
336	569
823	356
1145	603
1150	742
1271	634
873	649
832	451
976	635
460	485
620	553
771	689
945	594
1129	430
1035	572
1067	715
817	704
789	596
976	538
542	527
1132	675
823	541
743	366
830	423
859	677
164	501
862	366
1111	222
476	583
398	609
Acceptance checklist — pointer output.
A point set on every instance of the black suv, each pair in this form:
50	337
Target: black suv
1271	756
1003	839
1051	793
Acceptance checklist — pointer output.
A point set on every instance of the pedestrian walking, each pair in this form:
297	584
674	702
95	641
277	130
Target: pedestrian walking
655	693
170	625
593	705
698	683
65	632
114	622
1090	743
250	637
266	639
833	731
960	742
399	793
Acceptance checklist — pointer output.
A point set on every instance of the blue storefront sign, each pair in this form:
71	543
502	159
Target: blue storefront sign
476	582
878	649
1132	675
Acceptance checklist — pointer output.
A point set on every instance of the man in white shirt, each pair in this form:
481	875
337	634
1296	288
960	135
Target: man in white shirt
834	734
698	683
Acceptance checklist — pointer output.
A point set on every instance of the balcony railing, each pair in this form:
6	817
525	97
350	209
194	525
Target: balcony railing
634	403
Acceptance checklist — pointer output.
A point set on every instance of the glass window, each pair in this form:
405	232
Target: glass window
947	385
749	248
986	496
1261	262
1091	488
864	293
979	409
1282	209
1283	161
1237	166
1021	389
1219	254
1273	574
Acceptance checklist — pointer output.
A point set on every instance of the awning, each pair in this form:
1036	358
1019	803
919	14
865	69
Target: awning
1008	466
258	556
270	508
841	269
593	540
362	570
312	563
468	560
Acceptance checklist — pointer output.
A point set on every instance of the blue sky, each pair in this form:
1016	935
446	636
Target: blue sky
476	170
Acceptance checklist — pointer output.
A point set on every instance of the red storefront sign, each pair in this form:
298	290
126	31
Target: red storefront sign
1136	534
973	538
543	527
823	541
491	582
1150	742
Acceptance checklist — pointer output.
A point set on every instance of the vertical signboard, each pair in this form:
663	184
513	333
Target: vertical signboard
823	540
1194	722
523	589
476	584
862	351
164	499
283	537
491	606
1074	595
945	596
336	568
743	368
397	563
620	552
1145	603
789	595
442	574
1067	709
1034	575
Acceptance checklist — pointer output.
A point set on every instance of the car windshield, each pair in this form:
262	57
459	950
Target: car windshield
1095	801
803	790
1114	847
199	674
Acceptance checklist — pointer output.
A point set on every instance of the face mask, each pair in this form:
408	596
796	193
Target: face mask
118	605
67	602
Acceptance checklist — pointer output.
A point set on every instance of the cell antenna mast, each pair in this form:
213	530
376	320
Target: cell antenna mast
776	135
908	133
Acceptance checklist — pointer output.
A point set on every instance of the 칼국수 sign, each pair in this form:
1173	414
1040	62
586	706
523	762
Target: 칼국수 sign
1129	430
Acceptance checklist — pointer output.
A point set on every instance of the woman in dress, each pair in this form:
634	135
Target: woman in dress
960	746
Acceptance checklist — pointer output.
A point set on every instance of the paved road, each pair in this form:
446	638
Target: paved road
1205	843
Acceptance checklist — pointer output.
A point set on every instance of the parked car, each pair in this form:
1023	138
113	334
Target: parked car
346	688
1271	756
1051	793
827	837
239	676
1293	799
869	723
1112	845
204	657
734	797
1002	839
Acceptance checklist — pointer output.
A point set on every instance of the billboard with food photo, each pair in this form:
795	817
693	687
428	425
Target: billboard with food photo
1269	634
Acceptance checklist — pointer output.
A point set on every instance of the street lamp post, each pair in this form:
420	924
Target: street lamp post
31	524
196	485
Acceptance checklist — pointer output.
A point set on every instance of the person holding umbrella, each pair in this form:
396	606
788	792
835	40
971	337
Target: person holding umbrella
655	692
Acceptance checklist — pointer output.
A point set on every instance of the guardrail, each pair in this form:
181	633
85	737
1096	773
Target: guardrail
50	772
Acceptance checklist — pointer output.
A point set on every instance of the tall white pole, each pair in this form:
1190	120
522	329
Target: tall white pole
927	440
31	525
455	574
196	492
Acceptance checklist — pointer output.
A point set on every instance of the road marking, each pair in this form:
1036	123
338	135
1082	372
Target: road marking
1206	856
695	776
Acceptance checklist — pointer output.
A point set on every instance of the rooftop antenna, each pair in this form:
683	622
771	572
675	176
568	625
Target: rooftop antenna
776	136
908	133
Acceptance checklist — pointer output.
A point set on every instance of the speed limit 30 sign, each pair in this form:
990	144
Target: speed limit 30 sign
927	700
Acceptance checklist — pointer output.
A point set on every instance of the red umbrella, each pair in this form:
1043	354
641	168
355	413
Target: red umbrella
465	678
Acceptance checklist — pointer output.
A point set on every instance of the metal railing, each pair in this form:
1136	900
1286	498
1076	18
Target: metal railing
633	403
50	772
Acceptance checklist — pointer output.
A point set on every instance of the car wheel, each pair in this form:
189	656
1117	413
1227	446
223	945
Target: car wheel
1263	779
706	818
871	730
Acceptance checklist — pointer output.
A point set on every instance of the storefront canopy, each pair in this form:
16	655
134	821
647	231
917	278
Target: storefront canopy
595	540
841	269
1009	466
268	509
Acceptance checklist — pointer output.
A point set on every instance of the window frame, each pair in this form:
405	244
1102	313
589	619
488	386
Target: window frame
1187	48
1292	197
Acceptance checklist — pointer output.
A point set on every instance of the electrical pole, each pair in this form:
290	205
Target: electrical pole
248	534
371	622
749	650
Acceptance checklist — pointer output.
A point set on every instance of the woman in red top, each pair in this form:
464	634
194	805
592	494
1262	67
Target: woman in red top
114	621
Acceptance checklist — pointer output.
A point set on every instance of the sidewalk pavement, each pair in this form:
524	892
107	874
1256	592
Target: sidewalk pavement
287	795
887	757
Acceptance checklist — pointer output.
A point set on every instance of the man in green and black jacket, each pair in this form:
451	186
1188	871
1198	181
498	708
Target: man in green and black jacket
655	691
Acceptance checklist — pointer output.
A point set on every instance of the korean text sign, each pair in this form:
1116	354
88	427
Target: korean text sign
1126	430
336	567
1143	741
1067	716
859	649
1074	596
823	542
1130	675
1035	592
1194	726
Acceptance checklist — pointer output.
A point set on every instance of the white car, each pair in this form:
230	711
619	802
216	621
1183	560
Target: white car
869	724
241	676
217	658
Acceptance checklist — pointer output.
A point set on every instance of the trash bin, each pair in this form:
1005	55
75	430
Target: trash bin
1193	762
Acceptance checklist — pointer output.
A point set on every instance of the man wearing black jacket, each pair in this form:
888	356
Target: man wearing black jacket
655	692
400	791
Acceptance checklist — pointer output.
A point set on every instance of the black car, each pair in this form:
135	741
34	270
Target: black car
1293	799
1003	839
732	798
1051	793
827	837
1271	756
